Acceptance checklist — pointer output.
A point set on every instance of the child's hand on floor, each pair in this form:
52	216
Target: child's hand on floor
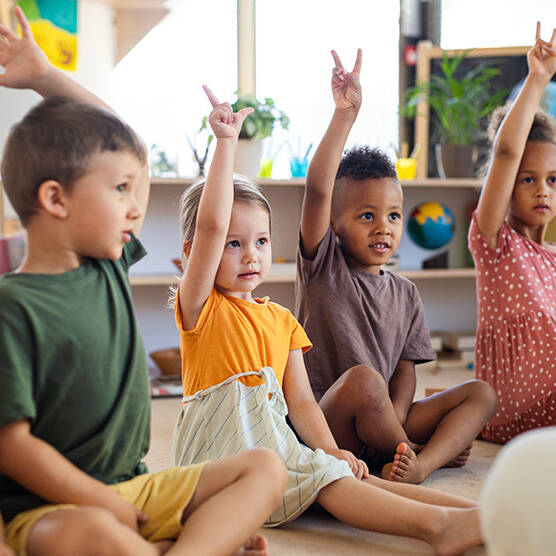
223	120
358	467
542	56
23	61
346	88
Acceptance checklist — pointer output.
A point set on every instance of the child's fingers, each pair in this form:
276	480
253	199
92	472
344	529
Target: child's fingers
244	112
211	96
26	32
538	32
7	34
357	66
553	38
337	60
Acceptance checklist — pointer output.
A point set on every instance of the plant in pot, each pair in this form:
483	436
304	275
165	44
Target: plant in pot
256	127
458	100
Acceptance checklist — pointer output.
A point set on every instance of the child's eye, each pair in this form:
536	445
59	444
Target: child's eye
552	179
527	180
121	187
367	216
395	216
262	241
233	244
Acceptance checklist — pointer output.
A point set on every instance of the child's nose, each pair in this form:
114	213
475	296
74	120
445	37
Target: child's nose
135	210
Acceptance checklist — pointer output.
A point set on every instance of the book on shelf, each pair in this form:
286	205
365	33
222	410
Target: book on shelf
458	340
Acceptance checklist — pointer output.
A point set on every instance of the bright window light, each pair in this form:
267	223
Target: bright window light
494	23
294	67
158	84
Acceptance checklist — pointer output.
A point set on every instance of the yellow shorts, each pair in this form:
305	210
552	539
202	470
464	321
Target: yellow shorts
162	496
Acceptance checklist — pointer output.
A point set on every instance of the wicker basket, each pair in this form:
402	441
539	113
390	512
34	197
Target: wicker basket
168	361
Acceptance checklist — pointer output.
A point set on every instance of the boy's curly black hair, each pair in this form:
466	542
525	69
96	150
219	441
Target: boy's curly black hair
362	162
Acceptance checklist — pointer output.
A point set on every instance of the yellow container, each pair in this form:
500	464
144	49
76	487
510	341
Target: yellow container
406	168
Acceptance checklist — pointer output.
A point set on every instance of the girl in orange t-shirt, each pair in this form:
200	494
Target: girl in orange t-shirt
244	370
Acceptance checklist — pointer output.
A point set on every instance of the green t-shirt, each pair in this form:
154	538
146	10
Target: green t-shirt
73	363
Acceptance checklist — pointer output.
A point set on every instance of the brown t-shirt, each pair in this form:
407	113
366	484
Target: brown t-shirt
356	318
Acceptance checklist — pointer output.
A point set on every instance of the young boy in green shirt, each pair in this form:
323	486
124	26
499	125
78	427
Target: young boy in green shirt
74	407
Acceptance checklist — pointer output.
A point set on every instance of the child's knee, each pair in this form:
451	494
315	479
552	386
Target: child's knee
362	385
485	394
84	531
267	462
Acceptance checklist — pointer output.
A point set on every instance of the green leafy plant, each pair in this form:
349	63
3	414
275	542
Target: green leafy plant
458	102
260	124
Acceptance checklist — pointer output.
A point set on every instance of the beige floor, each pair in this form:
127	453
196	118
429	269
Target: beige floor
319	533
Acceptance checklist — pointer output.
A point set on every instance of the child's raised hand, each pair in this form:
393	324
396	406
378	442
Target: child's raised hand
23	61
346	88
223	120
542	56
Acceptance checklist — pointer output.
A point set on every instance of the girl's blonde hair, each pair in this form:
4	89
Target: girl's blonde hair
244	190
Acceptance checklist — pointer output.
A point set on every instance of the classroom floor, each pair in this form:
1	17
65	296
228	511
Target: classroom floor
319	533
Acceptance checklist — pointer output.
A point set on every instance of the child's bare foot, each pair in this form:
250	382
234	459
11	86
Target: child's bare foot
257	545
458	531
405	468
461	459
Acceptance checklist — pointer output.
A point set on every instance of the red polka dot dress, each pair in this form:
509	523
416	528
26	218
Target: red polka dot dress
516	330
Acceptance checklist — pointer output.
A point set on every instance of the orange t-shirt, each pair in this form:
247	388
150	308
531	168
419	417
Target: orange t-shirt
235	336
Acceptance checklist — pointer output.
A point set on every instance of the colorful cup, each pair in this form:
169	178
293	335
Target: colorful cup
266	167
298	166
406	168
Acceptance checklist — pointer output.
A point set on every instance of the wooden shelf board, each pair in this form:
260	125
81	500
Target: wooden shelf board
300	182
285	272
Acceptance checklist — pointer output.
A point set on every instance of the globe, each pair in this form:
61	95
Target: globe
431	225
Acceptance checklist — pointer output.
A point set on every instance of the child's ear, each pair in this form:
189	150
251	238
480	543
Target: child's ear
186	247
52	198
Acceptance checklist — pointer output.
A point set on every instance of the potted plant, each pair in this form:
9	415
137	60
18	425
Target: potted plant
256	127
458	100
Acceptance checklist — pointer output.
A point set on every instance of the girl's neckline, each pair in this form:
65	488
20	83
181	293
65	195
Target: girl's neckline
257	302
533	242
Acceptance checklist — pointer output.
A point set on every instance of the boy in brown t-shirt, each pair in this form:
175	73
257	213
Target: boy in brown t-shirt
367	325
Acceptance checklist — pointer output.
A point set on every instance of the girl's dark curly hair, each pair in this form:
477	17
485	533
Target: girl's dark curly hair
543	128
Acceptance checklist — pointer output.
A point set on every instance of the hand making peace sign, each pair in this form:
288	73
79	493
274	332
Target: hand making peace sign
346	88
542	56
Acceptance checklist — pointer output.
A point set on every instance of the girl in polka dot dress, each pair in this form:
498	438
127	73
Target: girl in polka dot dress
516	265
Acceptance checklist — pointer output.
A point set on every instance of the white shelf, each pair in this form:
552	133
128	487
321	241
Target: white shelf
285	272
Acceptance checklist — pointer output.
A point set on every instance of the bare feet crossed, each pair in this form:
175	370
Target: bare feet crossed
257	545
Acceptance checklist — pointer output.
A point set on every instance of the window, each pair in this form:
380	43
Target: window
480	24
158	84
294	67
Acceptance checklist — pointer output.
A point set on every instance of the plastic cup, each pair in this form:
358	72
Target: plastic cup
298	166
266	168
406	168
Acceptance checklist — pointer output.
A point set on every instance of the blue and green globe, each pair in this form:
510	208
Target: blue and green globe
431	225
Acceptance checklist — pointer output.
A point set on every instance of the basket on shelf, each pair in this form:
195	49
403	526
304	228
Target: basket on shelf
167	360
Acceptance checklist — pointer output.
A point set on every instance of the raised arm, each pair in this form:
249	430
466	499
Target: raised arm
511	138
27	67
315	214
213	216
